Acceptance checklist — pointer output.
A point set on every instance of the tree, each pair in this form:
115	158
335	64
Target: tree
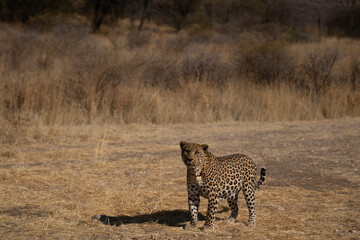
346	21
182	9
23	10
99	9
176	12
144	13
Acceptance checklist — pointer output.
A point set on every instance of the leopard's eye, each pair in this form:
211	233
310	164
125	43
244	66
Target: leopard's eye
186	152
197	152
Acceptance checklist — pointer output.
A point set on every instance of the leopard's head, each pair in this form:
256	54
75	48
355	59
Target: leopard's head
193	154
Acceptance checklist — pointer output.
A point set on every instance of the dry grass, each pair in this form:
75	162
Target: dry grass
67	76
54	179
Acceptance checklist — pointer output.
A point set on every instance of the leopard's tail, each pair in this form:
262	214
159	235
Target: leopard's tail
262	178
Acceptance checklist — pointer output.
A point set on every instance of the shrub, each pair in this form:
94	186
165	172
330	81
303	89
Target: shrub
263	59
207	67
355	74
138	39
161	72
176	43
318	67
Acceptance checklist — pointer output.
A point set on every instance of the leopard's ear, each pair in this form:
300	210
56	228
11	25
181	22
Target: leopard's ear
205	147
182	144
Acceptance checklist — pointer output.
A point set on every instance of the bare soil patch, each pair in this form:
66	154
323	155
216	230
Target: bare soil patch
54	179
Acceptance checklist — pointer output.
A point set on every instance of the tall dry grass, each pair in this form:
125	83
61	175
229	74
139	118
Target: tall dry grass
68	76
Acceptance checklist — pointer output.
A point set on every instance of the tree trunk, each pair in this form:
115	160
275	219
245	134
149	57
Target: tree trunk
101	8
146	6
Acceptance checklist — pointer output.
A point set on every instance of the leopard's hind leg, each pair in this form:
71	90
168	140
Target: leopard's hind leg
249	194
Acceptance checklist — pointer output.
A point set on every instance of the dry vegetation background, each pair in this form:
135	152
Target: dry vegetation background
68	76
90	124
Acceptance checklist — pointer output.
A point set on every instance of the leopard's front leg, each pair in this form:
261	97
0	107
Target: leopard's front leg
211	212
194	202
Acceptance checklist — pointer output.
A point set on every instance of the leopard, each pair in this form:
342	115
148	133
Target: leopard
216	178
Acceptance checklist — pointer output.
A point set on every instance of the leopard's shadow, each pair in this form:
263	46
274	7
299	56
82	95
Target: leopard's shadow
174	218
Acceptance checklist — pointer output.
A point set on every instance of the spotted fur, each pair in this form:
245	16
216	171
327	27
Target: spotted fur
217	178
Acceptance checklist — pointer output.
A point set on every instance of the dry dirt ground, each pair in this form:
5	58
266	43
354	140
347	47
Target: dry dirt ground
54	179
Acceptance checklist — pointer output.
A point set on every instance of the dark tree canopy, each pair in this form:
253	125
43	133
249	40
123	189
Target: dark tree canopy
180	14
23	10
